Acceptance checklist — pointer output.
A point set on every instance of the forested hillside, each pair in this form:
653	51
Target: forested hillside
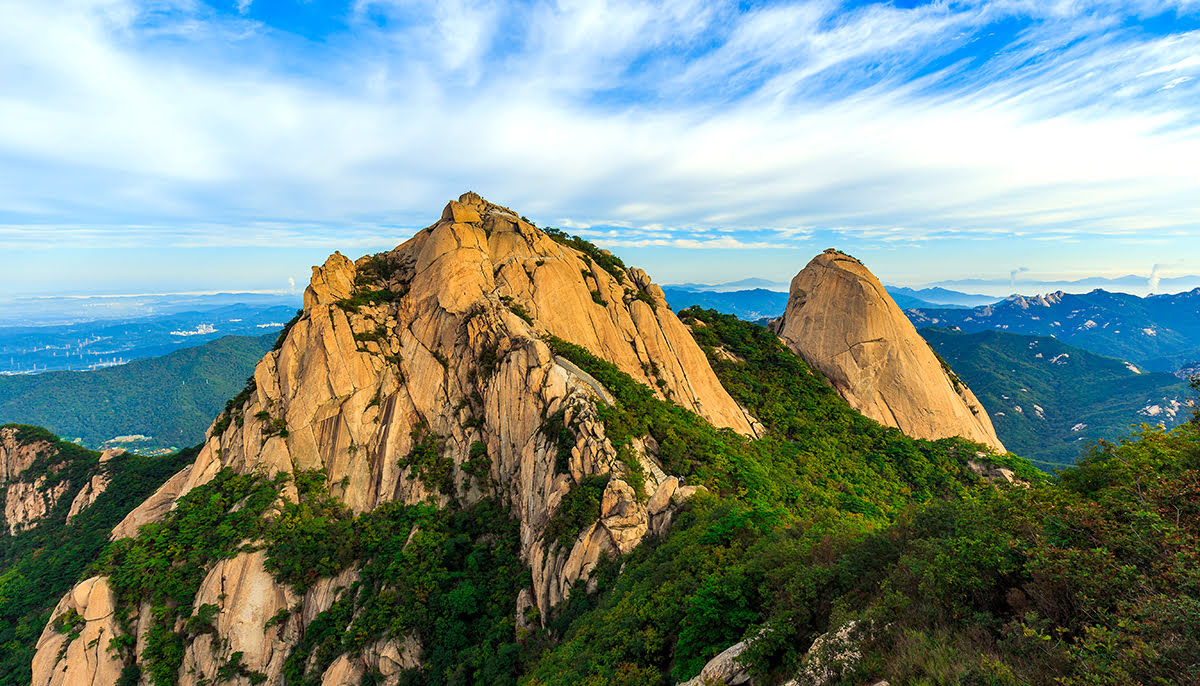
41	563
1050	402
170	399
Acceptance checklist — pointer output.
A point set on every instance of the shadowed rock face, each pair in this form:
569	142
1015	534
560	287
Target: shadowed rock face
841	321
444	335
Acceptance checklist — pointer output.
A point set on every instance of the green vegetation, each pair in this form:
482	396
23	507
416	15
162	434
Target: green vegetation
373	283
1069	398
127	400
449	578
426	462
38	566
1089	579
312	538
168	560
579	508
602	258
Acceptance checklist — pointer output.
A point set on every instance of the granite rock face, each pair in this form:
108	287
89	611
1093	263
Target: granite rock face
841	321
445	335
28	497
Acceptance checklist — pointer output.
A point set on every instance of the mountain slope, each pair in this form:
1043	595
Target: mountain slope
414	491
417	376
841	321
749	305
62	501
1050	401
1162	328
99	405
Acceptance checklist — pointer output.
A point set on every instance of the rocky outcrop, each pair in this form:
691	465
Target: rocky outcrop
73	649
246	598
155	507
16	455
724	669
27	502
444	340
27	499
841	321
93	488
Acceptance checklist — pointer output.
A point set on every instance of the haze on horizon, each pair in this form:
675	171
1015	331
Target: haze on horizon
155	145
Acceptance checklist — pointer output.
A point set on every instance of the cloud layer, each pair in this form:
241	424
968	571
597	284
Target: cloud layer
680	124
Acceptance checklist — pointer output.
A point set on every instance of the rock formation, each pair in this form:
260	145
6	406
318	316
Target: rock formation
841	321
27	497
445	335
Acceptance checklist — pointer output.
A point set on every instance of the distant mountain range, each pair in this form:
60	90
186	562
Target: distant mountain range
109	342
1133	284
937	296
99	407
1157	333
1048	400
767	303
741	285
975	292
60	310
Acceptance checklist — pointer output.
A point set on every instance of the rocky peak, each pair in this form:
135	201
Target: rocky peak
441	348
841	321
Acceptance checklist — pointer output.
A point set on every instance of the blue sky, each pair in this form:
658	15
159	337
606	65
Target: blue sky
179	144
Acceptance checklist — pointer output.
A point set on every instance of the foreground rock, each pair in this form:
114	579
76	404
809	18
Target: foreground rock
841	321
445	338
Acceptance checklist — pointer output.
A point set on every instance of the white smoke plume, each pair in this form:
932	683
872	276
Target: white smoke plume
1012	276
1154	278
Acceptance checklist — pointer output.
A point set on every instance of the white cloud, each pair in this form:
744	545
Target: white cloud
119	115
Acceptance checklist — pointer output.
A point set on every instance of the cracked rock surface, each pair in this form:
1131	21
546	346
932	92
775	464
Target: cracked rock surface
841	321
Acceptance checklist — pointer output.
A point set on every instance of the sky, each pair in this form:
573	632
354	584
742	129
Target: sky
151	145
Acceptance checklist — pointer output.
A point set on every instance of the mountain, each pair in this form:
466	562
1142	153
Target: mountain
97	407
937	296
841	321
749	305
1159	332
110	342
60	502
435	373
494	455
1131	284
749	284
65	310
1050	401
759	303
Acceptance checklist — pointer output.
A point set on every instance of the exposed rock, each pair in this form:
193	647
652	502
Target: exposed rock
153	508
444	335
991	472
841	321
246	597
92	489
86	658
723	669
25	502
832	658
17	456
27	499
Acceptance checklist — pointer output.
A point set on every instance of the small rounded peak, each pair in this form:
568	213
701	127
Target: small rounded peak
473	199
461	213
832	251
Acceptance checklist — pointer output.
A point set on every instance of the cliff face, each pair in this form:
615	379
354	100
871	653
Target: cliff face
442	337
33	480
841	321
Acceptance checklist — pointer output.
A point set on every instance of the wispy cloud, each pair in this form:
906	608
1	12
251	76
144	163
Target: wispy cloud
1050	118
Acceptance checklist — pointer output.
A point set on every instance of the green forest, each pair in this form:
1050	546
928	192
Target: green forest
829	523
134	398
